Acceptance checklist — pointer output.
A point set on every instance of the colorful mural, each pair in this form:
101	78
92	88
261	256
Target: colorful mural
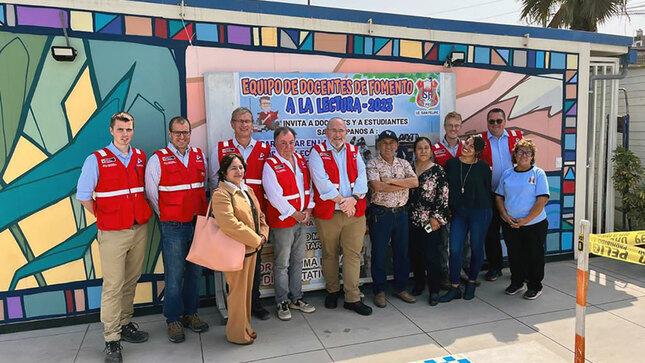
53	114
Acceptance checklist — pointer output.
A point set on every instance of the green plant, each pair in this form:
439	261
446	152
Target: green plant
628	176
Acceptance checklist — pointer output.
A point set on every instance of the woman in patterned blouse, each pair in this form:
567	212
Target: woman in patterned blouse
428	213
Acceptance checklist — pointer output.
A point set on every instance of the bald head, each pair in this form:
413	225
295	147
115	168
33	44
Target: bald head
336	132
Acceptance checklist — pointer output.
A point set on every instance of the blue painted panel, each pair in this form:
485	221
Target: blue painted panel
482	55
570	142
368	45
558	61
568	201
567	241
94	297
207	32
552	242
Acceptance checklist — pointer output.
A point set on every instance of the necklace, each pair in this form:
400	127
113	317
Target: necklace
461	173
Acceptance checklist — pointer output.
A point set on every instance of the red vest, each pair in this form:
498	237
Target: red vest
181	189
254	165
120	200
324	209
441	155
287	180
513	137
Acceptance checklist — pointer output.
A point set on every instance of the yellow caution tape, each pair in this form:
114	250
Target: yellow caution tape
616	250
631	238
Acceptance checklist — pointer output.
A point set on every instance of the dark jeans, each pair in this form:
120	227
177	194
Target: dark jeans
526	253
493	243
257	278
181	278
425	257
464	220
386	225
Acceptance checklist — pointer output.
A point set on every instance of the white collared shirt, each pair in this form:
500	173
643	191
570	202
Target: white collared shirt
274	191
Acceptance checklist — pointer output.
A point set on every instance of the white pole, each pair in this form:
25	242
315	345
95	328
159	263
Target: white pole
582	252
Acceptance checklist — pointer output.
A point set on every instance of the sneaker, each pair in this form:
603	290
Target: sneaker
131	333
259	311
405	296
513	289
283	311
434	299
176	332
493	275
358	307
379	300
113	352
532	294
303	306
194	323
469	292
453	293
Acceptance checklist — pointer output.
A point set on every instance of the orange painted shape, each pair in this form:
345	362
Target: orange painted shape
571	91
496	59
580	349
136	25
386	50
581	290
334	43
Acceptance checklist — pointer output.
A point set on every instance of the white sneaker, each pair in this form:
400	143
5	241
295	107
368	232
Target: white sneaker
303	306
283	311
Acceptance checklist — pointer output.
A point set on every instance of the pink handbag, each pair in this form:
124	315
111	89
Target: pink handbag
214	249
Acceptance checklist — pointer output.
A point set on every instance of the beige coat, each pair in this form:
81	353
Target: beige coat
234	216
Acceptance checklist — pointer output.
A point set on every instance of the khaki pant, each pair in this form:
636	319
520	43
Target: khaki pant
347	233
240	283
122	255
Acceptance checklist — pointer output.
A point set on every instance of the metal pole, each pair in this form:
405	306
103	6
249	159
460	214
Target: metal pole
581	290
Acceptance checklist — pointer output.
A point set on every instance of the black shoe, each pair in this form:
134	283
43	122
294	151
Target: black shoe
469	292
259	311
513	289
113	352
331	300
453	293
418	290
358	307
493	274
532	294
434	299
131	333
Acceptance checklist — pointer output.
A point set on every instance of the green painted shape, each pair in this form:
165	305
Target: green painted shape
21	240
70	250
568	105
88	264
45	303
56	177
154	245
31	129
155	92
20	57
79	213
54	84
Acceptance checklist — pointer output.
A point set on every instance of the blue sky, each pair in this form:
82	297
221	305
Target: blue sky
489	11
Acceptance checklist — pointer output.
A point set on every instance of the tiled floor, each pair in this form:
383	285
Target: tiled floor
491	328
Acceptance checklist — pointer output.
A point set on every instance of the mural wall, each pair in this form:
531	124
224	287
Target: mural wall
53	114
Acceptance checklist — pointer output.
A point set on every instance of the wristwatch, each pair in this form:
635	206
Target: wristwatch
356	197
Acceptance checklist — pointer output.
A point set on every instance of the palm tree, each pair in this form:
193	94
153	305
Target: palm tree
574	14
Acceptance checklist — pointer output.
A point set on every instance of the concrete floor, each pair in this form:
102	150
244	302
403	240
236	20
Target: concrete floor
493	327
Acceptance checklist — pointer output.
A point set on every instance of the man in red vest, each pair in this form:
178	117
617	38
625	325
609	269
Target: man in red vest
255	154
340	185
450	146
115	176
175	186
498	154
288	189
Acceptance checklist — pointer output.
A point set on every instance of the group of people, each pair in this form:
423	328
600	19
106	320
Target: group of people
471	189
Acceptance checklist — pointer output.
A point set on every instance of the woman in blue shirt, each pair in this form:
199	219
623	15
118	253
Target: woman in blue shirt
522	194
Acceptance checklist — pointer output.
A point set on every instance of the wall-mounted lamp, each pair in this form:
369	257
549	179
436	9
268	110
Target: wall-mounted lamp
454	58
64	53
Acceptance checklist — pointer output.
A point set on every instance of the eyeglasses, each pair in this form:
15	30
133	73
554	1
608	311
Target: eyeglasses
455	126
525	153
498	121
243	122
180	133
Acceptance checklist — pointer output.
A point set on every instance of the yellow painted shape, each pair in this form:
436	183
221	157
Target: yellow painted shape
49	226
159	265
270	37
143	293
96	259
411	49
303	36
11	259
471	53
28	282
89	217
81	21
25	156
256	36
547	59
80	104
572	61
69	272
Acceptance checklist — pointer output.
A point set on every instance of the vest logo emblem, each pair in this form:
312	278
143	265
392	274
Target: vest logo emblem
168	158
228	150
198	157
139	161
261	156
110	160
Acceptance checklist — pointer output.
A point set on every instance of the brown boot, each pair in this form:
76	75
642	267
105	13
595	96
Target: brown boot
405	296
379	300
176	332
194	323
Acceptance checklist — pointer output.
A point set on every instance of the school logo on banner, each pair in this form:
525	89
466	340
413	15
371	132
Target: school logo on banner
427	93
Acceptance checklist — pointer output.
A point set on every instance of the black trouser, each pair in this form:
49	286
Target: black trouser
493	245
526	253
257	278
425	256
